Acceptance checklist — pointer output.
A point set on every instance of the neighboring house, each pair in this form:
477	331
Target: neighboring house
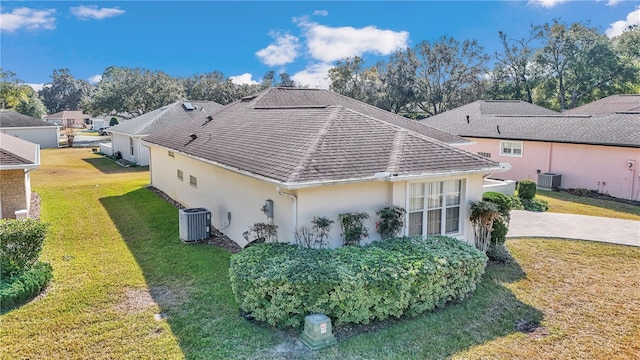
69	119
599	151
29	128
312	153
126	137
17	159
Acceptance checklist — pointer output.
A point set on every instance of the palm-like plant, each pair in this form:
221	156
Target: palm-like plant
482	216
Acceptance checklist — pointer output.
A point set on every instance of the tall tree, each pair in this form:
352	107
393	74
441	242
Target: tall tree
64	92
19	97
133	91
579	61
350	78
398	80
448	69
516	58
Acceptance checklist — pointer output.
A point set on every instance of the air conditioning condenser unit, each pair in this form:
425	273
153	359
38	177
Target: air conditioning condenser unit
195	224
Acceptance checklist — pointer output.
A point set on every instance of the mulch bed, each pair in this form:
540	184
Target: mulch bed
217	238
598	195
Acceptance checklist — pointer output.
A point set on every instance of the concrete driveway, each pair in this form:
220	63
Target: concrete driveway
570	226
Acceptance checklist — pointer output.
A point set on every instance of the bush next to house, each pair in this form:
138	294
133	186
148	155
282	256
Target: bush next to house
391	221
281	283
21	275
527	192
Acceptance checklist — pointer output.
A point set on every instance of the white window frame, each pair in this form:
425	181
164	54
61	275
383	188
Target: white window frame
193	181
180	175
131	146
442	207
516	148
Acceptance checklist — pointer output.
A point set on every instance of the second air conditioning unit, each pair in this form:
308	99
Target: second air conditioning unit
195	224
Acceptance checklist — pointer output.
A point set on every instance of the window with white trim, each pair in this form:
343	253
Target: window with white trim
511	148
131	145
434	208
180	175
485	154
193	181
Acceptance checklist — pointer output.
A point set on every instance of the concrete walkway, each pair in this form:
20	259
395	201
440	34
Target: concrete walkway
569	226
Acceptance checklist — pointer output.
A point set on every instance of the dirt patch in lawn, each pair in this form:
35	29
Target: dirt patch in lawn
138	300
598	195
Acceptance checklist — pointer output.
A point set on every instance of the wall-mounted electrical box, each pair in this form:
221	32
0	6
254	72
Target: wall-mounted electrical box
267	208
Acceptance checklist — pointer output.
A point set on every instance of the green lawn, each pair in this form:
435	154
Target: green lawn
562	202
118	261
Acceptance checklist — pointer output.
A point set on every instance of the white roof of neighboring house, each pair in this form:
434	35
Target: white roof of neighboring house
306	137
166	116
16	153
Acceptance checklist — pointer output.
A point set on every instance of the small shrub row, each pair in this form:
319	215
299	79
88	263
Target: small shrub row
281	283
535	205
20	245
20	288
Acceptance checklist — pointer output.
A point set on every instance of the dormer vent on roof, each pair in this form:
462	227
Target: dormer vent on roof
187	106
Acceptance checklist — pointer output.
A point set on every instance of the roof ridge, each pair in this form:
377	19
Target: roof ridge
308	155
396	150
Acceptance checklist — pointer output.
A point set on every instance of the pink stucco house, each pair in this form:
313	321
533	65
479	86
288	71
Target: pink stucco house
596	146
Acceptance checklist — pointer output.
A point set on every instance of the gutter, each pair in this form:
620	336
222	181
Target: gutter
375	177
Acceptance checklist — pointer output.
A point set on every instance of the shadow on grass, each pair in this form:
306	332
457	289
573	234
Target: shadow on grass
190	284
108	166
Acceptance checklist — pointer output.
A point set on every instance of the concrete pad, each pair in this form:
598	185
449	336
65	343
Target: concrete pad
570	226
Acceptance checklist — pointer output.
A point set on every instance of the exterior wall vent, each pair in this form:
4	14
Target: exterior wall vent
195	224
549	181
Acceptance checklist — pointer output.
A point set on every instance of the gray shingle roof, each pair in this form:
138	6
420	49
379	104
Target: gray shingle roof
15	151
164	117
13	119
305	139
618	129
608	105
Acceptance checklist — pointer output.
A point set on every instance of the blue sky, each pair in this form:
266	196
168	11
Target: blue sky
245	39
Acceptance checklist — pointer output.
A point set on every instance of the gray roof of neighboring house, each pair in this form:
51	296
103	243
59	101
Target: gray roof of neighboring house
164	117
608	105
298	136
10	118
15	151
617	129
68	114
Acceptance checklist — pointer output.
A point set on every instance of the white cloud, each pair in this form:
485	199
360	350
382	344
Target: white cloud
547	3
314	76
617	28
333	43
244	79
36	87
31	19
321	13
613	2
84	12
284	51
95	79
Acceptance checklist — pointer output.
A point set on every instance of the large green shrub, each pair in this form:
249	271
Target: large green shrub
391	221
281	283
526	189
353	228
20	245
20	288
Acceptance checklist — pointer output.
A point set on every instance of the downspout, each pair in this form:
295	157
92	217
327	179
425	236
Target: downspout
294	215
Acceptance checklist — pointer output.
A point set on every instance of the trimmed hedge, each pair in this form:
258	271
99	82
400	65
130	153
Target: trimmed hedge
23	287
20	245
527	189
281	283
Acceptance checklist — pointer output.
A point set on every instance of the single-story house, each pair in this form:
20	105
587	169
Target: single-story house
75	119
599	151
309	153
17	159
29	128
126	136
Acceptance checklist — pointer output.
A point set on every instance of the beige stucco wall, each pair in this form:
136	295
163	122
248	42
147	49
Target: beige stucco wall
223	191
595	167
15	192
120	142
46	137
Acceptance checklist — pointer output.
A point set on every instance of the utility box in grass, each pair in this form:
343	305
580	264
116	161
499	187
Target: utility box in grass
317	332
